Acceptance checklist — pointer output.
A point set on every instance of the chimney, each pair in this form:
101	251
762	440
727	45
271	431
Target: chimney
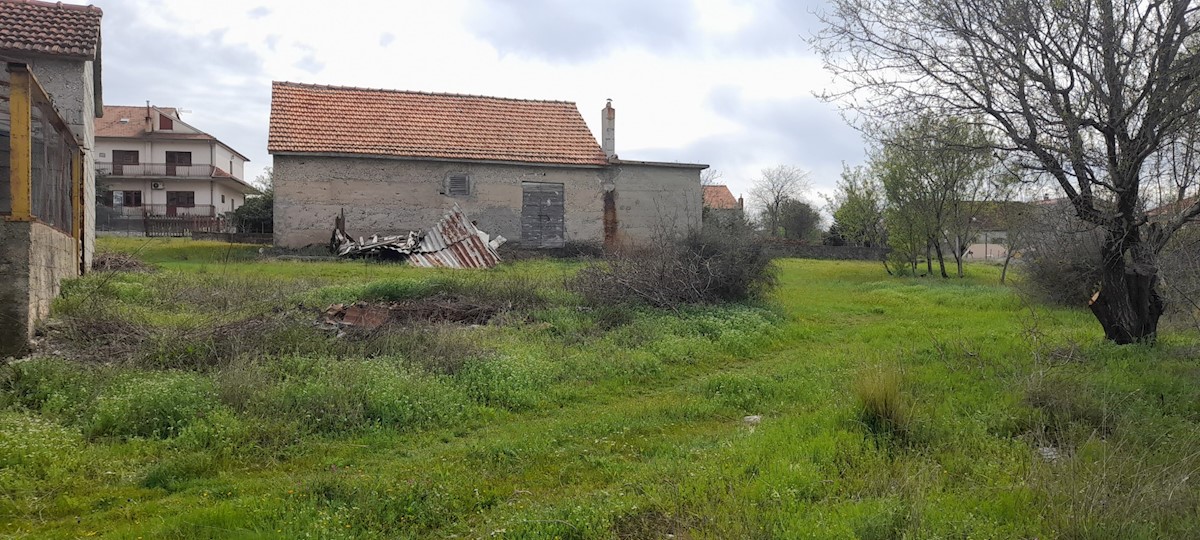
608	131
741	203
149	120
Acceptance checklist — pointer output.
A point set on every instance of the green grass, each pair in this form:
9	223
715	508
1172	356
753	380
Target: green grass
200	402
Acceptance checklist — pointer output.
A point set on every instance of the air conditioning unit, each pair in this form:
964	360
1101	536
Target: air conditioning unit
156	185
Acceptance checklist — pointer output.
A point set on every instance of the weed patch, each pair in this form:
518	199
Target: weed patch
883	408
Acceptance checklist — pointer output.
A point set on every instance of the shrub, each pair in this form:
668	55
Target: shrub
151	404
717	264
1061	264
1179	268
882	408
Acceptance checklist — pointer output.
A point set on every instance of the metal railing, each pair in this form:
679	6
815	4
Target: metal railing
158	170
167	210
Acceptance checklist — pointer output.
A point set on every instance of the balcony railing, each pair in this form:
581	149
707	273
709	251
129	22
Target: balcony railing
159	170
160	210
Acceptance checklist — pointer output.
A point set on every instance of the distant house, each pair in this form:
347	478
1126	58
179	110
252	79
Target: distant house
529	170
49	97
152	163
720	205
1169	210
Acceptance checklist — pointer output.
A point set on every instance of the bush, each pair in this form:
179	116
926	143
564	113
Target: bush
1061	264
1179	268
719	263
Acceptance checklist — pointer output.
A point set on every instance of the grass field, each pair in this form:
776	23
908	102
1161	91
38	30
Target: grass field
200	401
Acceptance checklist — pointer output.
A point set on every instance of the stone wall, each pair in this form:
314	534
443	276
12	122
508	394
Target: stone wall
390	196
34	259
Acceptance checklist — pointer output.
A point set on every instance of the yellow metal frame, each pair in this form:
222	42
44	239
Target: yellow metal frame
25	91
20	161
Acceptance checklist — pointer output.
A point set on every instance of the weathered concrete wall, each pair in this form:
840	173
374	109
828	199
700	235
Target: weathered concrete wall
69	83
389	196
34	259
656	200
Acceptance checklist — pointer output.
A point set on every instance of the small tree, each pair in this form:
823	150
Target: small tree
1090	93
775	187
857	208
257	215
800	221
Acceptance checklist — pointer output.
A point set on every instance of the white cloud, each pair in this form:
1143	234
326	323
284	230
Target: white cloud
665	69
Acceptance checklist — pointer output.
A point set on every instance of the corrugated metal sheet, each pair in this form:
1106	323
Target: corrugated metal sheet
454	242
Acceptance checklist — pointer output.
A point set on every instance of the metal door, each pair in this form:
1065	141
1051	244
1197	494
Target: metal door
542	223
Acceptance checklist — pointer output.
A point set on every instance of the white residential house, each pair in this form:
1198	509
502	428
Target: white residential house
149	162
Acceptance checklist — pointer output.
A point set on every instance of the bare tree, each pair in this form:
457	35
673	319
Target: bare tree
710	176
1089	92
774	188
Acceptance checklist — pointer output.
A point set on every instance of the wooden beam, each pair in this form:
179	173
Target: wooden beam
20	162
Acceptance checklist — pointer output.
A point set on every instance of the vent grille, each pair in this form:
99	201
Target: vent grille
459	185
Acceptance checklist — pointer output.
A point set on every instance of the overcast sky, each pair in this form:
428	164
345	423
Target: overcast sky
723	82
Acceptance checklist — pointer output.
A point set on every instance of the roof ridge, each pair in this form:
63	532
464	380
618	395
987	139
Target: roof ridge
415	92
61	5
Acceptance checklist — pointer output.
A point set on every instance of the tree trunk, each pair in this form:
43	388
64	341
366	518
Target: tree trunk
928	259
937	246
1127	304
1008	255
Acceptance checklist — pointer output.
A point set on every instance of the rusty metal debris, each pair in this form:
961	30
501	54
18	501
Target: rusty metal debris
454	242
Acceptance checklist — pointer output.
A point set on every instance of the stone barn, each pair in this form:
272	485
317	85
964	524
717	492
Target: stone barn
529	170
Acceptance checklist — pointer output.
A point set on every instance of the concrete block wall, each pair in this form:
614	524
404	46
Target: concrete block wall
391	196
34	259
388	196
653	200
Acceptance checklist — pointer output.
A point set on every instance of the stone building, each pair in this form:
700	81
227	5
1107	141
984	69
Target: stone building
51	86
529	170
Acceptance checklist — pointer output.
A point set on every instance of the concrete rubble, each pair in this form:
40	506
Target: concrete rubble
454	242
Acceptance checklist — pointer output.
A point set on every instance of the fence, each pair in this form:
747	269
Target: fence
181	221
42	162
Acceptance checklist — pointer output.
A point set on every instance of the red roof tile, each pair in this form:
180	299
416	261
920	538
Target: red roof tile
53	28
110	125
343	120
719	197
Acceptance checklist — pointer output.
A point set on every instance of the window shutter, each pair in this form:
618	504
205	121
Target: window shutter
459	185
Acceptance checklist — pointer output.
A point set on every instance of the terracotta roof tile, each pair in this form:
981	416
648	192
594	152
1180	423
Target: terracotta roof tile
110	125
719	197
53	28
344	120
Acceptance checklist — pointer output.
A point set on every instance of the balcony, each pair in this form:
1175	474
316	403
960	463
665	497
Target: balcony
158	210
159	170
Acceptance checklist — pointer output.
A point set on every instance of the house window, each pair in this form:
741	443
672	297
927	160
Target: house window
132	198
181	198
458	185
222	199
121	158
179	163
165	122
